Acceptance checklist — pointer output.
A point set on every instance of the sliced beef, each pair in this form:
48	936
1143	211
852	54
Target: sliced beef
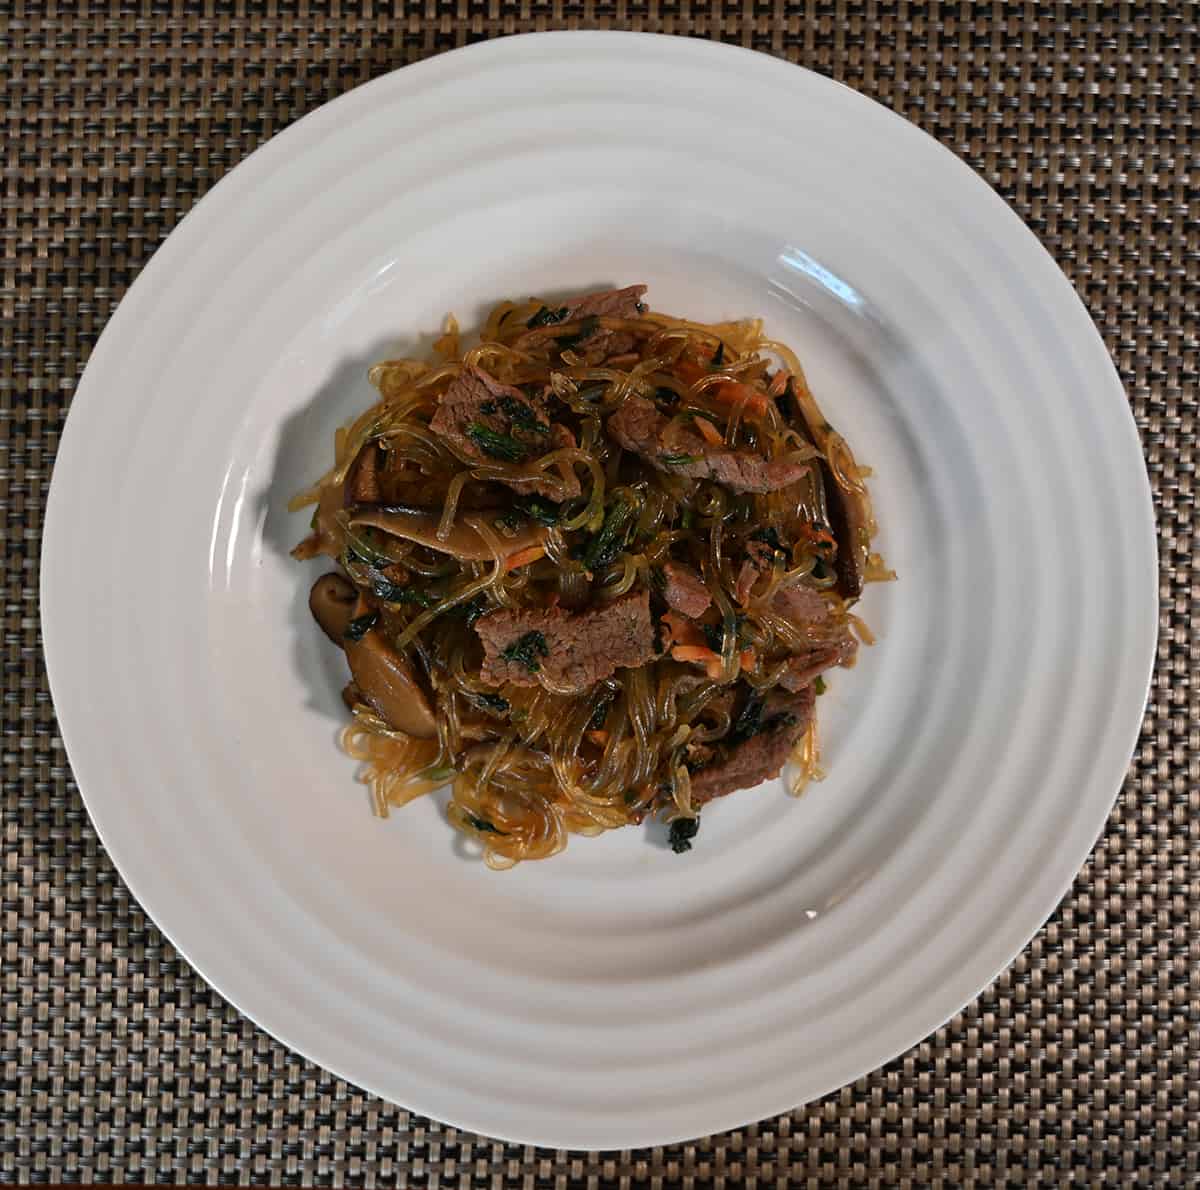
685	590
832	643
762	754
639	427
592	343
572	651
489	420
807	666
611	303
801	605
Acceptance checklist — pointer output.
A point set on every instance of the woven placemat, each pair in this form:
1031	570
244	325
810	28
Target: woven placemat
1079	1065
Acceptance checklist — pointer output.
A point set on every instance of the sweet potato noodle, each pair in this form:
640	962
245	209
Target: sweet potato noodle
590	569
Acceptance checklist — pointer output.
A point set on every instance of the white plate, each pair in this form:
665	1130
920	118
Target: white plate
618	995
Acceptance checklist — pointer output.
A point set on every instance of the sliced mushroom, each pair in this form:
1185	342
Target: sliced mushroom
465	542
386	682
331	602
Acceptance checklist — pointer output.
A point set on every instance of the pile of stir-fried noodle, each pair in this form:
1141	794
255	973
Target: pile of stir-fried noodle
589	570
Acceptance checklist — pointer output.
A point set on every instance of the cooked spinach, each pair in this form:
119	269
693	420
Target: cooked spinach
497	446
493	703
749	720
676	460
536	509
526	649
548	317
390	592
588	326
482	824
471	610
522	416
361	625
681	834
769	537
606	545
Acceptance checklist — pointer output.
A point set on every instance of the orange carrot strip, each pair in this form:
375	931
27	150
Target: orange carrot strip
747	660
524	557
682	630
729	392
709	432
599	738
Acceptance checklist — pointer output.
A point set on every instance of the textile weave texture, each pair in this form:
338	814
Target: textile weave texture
1079	1065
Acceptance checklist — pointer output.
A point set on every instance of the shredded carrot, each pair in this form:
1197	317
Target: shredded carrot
682	630
778	383
747	660
709	432
524	557
729	392
733	391
599	738
710	660
816	533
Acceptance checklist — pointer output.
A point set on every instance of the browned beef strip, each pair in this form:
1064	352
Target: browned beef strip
763	755
611	303
801	605
685	590
475	398
805	667
579	649
638	426
602	342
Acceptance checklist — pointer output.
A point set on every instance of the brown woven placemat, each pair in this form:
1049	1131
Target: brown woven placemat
1078	1066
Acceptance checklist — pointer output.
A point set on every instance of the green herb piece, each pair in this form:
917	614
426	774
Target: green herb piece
537	509
522	416
498	446
683	831
493	703
819	684
604	547
674	460
599	715
510	520
749	720
768	536
471	610
719	355
482	825
820	571
361	625
526	649
714	636
587	328
547	317
389	592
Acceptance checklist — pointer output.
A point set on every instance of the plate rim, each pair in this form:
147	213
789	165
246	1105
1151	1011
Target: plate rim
158	268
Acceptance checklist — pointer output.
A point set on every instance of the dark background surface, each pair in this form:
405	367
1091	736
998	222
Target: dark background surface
1080	1065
